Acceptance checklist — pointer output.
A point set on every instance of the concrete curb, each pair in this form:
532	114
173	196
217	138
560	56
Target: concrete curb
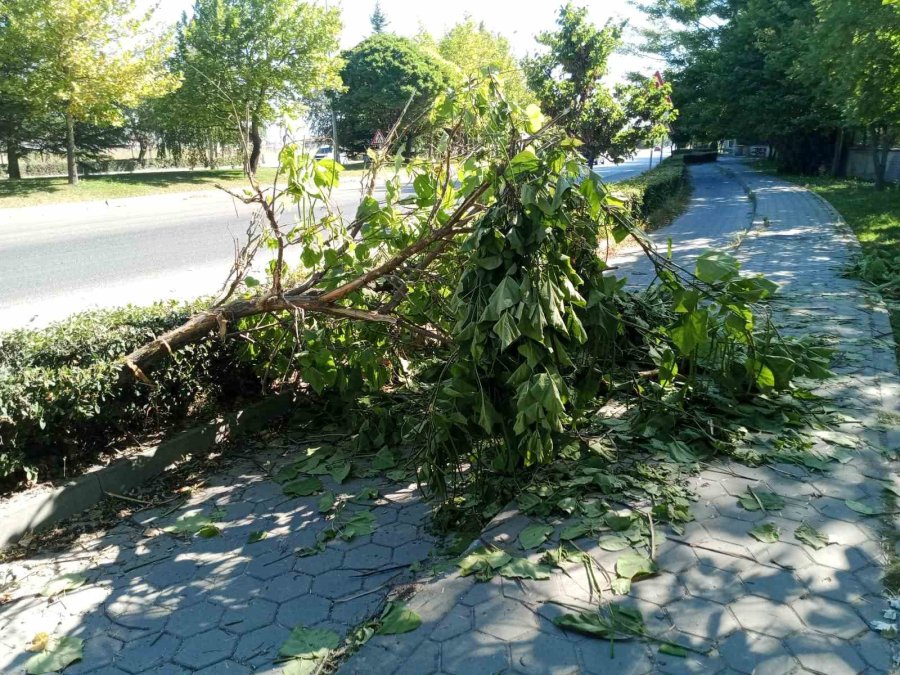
26	513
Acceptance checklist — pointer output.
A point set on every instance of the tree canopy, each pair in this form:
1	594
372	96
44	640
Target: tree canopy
567	80
381	75
244	62
83	59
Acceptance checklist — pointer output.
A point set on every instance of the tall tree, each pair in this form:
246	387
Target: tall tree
474	50
81	61
857	43
244	62
378	19
567	80
382	74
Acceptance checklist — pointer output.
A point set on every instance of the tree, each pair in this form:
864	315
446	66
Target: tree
567	81
244	62
473	50
79	61
378	20
383	74
857	43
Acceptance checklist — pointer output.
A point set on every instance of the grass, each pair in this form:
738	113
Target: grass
663	193
38	191
874	216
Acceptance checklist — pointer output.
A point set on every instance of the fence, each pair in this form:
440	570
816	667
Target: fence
860	165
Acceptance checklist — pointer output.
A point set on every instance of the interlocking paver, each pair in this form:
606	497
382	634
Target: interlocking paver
162	603
724	589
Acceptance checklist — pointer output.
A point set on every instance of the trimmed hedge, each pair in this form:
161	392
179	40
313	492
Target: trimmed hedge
652	191
60	401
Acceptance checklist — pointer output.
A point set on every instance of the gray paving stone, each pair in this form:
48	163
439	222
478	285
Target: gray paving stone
829	617
305	610
764	616
748	652
823	654
188	621
147	652
702	617
204	649
543	653
474	652
248	616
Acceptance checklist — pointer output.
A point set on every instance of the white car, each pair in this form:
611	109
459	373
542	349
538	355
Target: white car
324	152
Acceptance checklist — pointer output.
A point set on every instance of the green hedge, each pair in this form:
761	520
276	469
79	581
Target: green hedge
653	191
60	401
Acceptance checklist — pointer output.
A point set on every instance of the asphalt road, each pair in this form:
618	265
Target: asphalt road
59	259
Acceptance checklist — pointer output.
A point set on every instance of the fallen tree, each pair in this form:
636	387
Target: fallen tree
486	283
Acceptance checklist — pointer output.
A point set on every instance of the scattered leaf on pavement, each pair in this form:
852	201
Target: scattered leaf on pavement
766	532
397	619
58	654
534	535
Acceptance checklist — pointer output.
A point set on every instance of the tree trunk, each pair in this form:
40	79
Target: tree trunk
591	161
142	152
880	149
70	149
12	157
409	147
837	161
255	145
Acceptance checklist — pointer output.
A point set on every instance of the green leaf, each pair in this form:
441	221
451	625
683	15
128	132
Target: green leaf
672	650
534	535
522	568
631	565
483	561
575	530
309	643
190	523
714	266
689	332
63	584
618	523
259	535
339	472
766	532
208	531
303	487
523	162
756	499
811	536
359	525
398	619
617	621
614	543
384	459
859	507
326	502
60	653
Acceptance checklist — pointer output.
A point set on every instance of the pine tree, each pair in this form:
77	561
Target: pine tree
378	19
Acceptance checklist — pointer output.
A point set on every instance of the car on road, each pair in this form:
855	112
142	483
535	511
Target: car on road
324	152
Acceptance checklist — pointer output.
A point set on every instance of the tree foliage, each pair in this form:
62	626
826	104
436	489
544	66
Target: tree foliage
83	59
567	80
484	294
378	19
244	62
383	74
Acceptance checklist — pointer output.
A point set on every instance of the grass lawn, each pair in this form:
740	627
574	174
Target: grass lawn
36	191
875	218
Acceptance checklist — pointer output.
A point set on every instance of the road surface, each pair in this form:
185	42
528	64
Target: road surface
634	166
59	259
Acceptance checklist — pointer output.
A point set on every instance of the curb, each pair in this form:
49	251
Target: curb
28	513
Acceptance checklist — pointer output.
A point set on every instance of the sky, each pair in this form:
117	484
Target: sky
517	20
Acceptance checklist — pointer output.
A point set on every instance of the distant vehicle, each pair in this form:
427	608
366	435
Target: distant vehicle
324	152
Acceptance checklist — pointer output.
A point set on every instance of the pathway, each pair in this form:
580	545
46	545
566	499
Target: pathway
759	608
157	602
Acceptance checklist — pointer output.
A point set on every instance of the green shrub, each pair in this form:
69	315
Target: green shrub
653	191
60	400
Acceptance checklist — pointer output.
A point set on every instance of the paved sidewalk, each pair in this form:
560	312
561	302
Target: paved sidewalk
157	602
757	608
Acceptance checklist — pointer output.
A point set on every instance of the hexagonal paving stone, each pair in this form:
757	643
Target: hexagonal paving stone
261	646
306	610
369	556
204	649
336	583
245	617
538	652
711	583
147	652
395	534
286	587
474	652
225	668
136	611
197	618
456	622
746	652
765	616
627	658
410	552
829	617
329	559
825	655
504	619
777	585
701	617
